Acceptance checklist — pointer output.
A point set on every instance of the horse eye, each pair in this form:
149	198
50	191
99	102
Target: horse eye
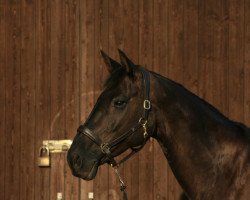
119	103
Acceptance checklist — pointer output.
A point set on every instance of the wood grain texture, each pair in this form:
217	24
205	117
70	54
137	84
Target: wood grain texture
28	80
52	73
43	79
71	104
206	42
247	64
12	101
58	120
221	56
190	45
236	60
2	94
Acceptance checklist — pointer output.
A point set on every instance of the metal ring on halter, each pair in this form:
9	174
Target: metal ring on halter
146	104
143	121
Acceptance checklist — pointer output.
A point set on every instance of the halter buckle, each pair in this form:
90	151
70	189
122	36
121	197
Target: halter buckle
105	148
146	104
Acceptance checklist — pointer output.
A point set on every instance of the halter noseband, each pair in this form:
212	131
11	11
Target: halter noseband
107	146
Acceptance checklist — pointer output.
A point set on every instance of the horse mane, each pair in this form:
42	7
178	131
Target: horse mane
203	103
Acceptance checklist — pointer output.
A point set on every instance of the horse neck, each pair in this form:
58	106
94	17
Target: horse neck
192	137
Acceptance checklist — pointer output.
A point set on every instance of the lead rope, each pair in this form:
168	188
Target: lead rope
115	166
122	184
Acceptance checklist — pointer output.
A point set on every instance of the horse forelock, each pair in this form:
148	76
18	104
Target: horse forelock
115	77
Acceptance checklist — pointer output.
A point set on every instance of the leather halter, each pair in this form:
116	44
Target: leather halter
107	146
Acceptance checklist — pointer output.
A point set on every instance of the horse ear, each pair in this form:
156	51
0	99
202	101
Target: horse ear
127	63
111	64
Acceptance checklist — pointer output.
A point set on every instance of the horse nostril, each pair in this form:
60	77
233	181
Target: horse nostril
77	162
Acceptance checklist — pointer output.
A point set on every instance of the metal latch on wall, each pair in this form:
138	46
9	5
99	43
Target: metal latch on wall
52	146
57	146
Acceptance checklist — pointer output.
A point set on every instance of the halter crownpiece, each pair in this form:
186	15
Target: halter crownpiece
107	146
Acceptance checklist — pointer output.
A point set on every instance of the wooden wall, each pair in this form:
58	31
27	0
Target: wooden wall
51	74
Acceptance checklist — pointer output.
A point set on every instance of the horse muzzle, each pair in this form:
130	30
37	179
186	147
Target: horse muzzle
84	168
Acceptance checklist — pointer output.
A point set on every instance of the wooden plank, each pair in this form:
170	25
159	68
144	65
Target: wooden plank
190	53
28	81
116	21
58	122
131	47
247	64
221	56
101	189
176	40
72	110
116	40
221	46
160	60
86	58
206	43
236	60
146	155
2	94
42	175
175	66
12	103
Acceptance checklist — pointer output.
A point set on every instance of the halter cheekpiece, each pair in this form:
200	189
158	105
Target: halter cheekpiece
106	147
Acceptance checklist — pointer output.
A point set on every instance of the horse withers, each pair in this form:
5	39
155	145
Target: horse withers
208	153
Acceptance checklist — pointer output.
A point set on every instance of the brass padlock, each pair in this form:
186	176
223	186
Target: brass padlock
44	157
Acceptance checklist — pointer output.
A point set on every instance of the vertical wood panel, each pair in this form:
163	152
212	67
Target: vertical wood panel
28	77
2	94
131	46
206	42
12	94
190	46
116	22
42	176
87	72
146	159
220	73
101	189
57	128
71	105
160	60
176	40
236	59
247	64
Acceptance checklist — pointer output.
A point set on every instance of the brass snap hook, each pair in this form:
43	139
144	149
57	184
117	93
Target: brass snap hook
144	123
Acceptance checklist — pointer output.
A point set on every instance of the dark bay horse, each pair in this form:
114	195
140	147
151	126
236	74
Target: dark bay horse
208	153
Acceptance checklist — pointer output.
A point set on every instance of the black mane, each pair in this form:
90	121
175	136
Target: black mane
201	102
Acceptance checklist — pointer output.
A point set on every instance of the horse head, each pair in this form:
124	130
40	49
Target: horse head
119	120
